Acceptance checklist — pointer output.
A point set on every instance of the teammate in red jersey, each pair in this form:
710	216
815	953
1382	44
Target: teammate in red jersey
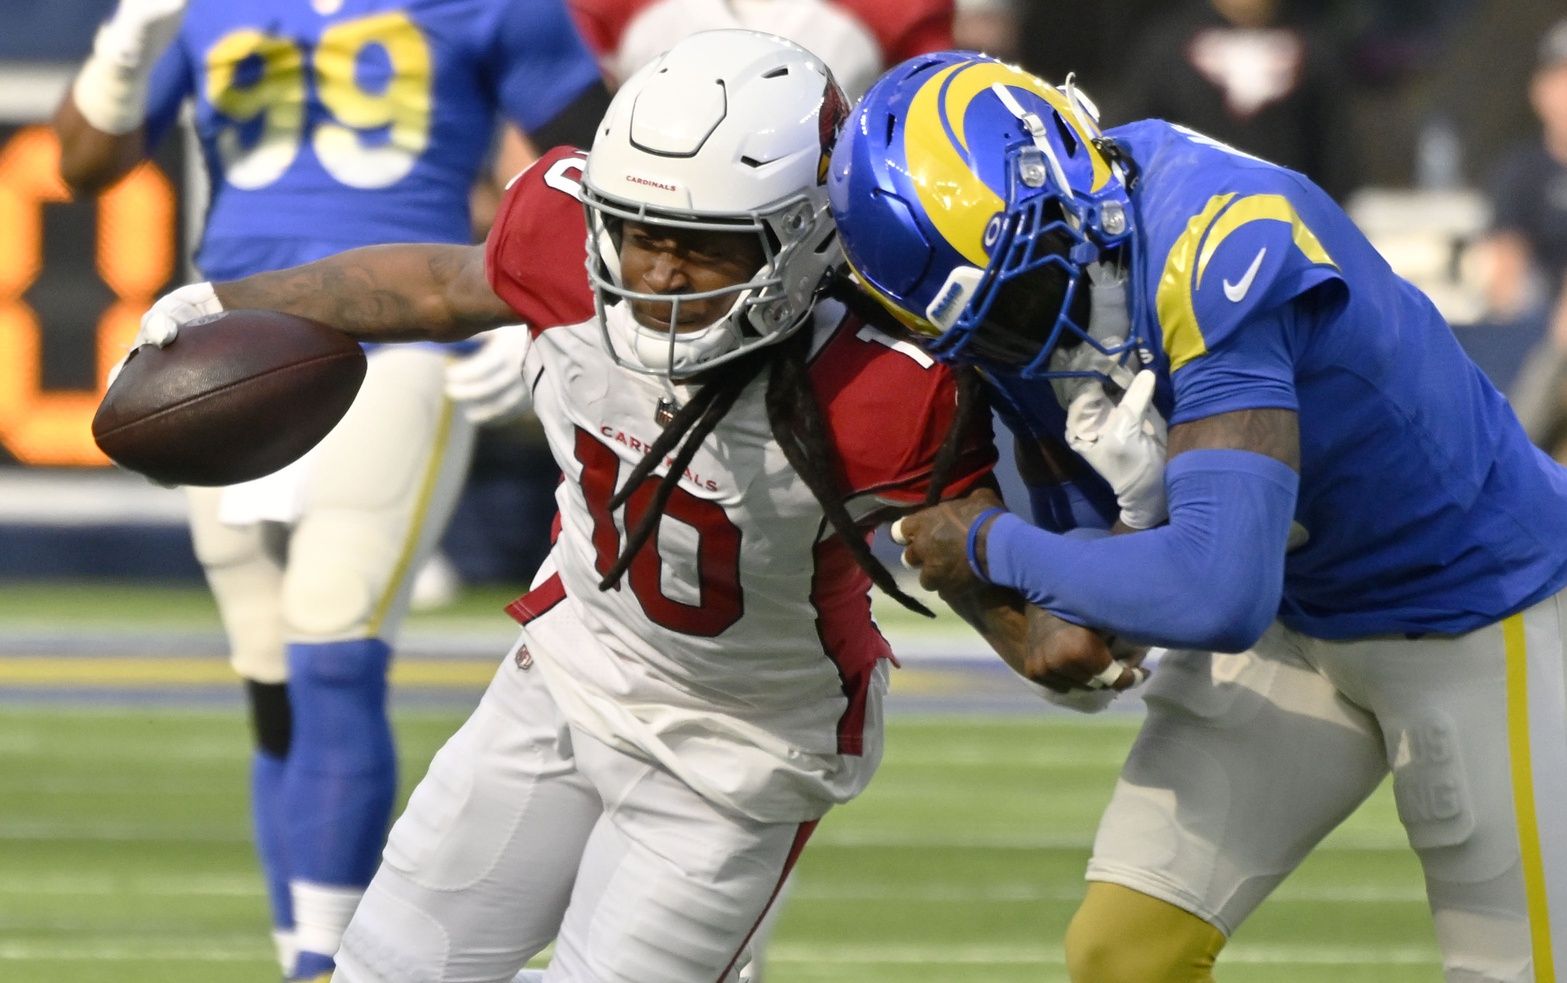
856	38
698	679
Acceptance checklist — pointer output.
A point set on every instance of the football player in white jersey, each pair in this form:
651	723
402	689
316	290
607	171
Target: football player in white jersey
698	679
856	38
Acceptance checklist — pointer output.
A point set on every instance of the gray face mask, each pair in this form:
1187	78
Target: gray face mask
1109	323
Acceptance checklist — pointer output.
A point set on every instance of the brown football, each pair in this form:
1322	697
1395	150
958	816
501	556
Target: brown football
233	397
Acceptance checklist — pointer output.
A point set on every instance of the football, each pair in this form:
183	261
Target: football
233	397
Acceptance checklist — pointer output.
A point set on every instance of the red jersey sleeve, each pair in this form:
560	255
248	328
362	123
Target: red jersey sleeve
888	407
536	254
905	29
603	22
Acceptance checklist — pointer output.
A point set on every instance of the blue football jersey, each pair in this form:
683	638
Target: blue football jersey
1423	507
329	124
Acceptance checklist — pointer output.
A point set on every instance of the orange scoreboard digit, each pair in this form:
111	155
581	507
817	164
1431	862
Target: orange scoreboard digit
75	276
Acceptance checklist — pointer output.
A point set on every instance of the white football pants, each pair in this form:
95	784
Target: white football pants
375	499
526	830
1247	761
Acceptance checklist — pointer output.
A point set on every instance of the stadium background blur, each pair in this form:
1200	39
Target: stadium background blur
123	851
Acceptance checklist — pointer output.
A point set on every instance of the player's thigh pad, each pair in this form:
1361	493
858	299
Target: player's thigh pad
1244	763
244	570
1476	733
478	869
384	484
670	886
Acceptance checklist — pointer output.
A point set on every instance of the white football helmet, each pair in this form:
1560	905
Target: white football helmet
728	131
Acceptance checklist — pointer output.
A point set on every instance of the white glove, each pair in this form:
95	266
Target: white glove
489	384
139	31
111	91
1125	443
161	323
179	306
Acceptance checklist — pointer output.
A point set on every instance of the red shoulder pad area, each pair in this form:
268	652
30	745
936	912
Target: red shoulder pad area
905	29
536	255
888	407
603	22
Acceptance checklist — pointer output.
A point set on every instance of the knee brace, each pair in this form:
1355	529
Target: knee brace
270	719
1124	936
342	768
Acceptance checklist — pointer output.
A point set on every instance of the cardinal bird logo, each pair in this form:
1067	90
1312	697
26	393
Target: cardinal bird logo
835	109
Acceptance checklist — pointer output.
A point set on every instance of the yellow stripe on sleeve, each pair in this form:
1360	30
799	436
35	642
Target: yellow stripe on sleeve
1174	301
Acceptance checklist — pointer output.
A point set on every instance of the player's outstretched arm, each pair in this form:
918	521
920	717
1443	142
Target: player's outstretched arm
90	159
407	292
101	122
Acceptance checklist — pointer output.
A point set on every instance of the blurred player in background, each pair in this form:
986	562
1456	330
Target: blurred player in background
1527	246
326	126
1352	507
698	678
856	38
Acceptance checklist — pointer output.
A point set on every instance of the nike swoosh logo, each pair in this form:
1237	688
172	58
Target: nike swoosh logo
1237	291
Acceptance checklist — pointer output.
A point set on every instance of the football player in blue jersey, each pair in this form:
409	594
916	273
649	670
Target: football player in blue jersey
1362	567
328	125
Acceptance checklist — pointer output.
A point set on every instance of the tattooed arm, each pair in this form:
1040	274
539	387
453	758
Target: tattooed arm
1271	433
383	293
1037	645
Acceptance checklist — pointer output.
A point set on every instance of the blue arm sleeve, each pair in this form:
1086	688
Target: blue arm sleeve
1211	579
1071	505
166	91
538	61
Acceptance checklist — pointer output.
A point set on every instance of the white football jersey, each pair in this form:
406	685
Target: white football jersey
739	648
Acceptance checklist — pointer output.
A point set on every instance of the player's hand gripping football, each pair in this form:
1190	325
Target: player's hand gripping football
935	541
488	384
161	323
1125	442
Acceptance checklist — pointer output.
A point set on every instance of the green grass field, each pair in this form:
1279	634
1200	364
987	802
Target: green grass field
125	857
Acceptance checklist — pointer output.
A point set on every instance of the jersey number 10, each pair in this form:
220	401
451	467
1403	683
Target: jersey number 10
717	553
252	75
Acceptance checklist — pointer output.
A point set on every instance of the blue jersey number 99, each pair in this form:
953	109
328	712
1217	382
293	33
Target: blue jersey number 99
277	94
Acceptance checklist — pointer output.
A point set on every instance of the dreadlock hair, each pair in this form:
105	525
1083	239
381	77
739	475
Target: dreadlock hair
800	429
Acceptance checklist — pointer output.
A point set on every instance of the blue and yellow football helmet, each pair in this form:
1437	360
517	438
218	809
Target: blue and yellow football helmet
971	197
